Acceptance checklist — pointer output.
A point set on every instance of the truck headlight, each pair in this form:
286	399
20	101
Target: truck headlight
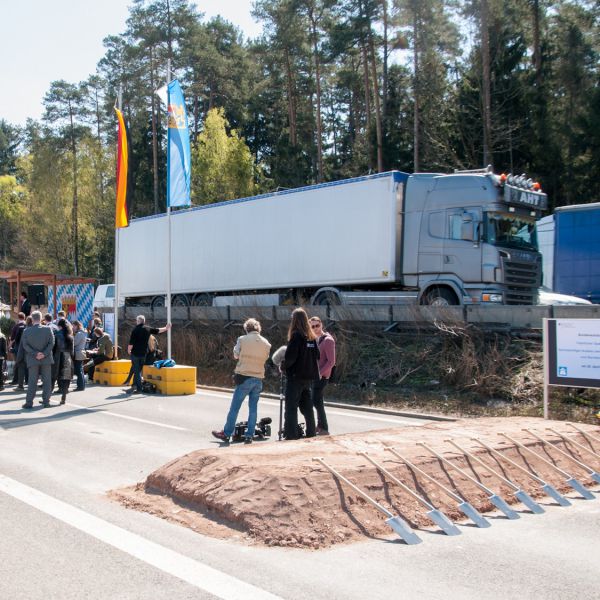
486	297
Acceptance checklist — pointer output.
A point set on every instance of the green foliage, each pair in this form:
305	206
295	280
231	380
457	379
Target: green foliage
385	79
222	166
10	138
12	213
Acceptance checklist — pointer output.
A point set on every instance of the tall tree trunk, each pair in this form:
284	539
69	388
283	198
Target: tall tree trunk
99	137
367	83
384	82
486	84
378	125
291	99
169	37
195	117
75	211
154	133
416	92
537	50
318	89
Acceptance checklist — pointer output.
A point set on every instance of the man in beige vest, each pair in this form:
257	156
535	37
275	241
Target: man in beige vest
251	351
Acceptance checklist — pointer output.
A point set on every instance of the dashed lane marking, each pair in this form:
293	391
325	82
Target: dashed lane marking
121	416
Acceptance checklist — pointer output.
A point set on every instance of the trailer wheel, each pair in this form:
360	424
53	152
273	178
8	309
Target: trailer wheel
158	301
180	300
440	297
327	299
202	299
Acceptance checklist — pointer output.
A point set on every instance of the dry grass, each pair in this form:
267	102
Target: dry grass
453	368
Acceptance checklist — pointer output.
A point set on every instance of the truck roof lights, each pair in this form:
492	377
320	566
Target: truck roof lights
520	181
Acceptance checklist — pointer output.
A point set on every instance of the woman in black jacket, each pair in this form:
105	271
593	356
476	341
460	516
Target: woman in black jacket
301	365
64	357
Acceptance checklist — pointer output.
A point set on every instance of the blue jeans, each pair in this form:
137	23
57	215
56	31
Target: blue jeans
252	388
137	362
78	366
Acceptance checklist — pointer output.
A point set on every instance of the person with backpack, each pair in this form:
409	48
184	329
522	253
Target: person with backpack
326	344
301	365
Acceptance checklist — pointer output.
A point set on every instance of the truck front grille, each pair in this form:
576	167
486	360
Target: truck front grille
522	281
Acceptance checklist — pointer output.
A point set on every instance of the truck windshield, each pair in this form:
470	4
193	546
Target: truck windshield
508	230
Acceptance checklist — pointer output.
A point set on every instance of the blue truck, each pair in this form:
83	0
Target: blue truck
569	241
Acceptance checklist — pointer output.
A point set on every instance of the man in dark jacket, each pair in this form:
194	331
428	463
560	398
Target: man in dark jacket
3	355
37	343
138	347
15	341
25	304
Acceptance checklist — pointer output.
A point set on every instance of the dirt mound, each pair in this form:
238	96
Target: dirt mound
275	494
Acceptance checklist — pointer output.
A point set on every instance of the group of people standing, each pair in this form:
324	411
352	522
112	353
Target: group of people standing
42	349
307	360
54	350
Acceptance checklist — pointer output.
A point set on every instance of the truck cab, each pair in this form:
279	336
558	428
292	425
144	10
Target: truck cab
476	240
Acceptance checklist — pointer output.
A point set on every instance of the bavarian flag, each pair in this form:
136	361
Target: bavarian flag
122	211
179	161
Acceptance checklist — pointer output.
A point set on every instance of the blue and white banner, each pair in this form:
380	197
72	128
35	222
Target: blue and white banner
179	162
76	299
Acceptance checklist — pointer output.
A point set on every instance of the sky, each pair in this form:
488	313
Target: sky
47	40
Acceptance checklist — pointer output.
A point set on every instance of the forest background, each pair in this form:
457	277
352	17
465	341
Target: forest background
332	89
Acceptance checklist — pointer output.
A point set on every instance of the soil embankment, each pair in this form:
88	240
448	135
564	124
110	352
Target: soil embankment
275	494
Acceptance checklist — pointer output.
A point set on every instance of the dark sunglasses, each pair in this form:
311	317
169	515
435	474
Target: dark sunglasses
315	325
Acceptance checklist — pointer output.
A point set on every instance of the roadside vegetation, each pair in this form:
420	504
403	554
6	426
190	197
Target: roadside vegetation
458	370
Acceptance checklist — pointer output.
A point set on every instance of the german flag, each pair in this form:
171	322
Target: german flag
122	210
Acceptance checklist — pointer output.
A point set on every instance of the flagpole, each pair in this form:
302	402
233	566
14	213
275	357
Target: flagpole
116	300
168	221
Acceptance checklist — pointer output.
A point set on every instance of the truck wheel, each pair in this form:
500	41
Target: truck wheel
158	301
180	300
327	299
441	297
202	299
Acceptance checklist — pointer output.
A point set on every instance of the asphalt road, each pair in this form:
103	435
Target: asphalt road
61	537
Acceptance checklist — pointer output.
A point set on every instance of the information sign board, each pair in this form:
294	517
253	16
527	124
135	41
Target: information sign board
573	352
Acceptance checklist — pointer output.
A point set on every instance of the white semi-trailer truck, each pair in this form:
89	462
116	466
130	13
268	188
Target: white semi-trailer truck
463	238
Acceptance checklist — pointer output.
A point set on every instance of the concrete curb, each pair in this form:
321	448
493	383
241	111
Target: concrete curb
360	408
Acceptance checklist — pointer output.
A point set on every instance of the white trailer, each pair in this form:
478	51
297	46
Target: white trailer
321	236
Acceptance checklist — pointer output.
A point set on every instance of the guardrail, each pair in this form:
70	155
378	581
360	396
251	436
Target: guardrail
489	317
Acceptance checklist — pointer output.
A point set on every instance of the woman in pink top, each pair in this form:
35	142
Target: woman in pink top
326	363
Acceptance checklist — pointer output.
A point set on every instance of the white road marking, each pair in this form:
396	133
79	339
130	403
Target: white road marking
119	415
189	570
344	413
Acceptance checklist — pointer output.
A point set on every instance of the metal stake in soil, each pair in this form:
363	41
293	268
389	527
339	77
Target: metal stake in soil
467	509
549	489
399	525
576	444
436	515
585	434
519	494
595	476
494	498
570	480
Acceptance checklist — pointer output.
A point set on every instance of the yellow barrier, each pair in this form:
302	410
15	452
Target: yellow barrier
172	381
